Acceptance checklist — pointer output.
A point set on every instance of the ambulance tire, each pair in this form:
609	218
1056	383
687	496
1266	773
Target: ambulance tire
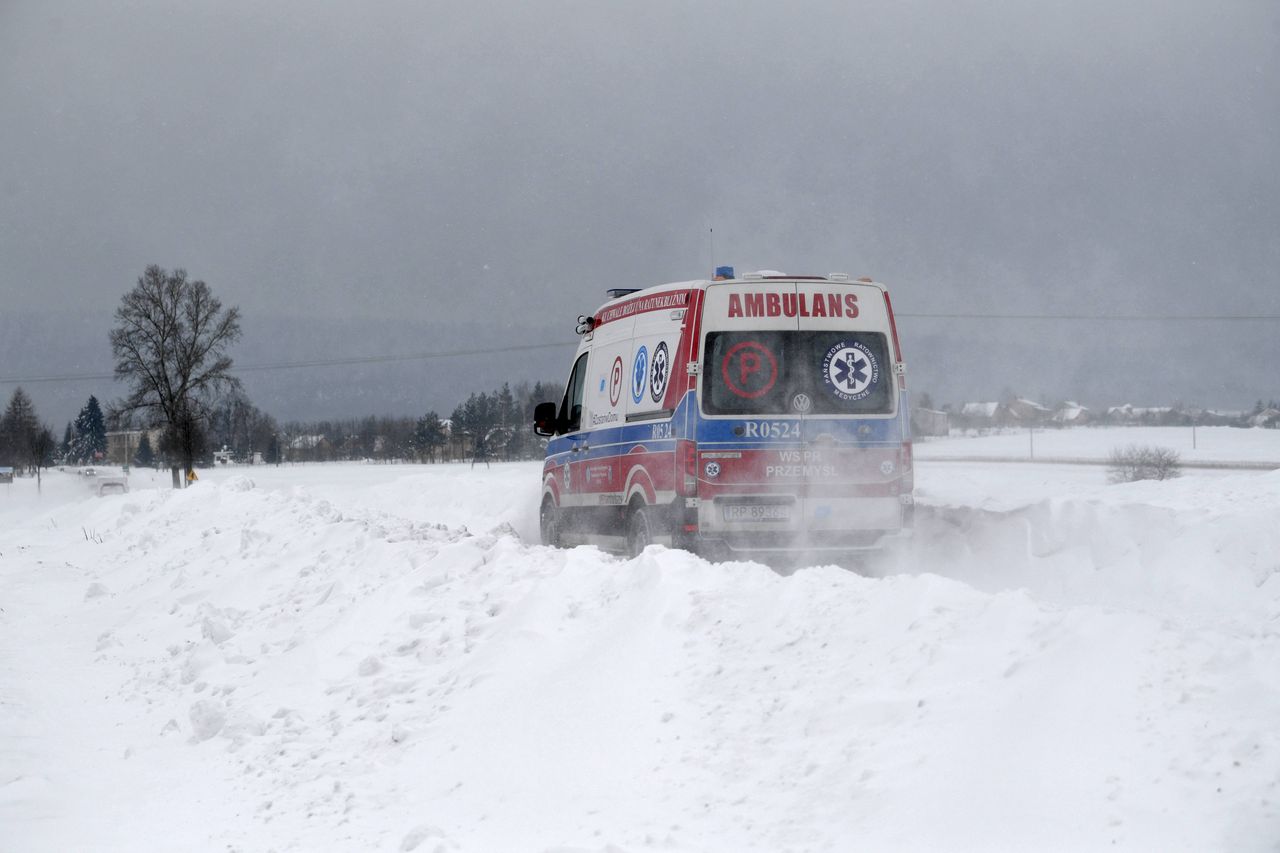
549	523
639	528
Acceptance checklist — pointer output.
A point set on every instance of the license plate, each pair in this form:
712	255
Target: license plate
757	512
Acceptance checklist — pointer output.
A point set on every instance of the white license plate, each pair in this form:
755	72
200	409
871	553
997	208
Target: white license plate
757	512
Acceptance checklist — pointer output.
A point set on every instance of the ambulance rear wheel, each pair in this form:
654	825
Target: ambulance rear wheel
549	523
639	529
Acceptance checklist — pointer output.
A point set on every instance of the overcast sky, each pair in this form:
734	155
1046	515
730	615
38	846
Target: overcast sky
427	174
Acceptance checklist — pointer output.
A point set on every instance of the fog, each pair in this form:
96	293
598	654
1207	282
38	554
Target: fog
412	178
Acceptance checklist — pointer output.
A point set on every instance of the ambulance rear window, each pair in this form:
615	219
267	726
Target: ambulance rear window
797	372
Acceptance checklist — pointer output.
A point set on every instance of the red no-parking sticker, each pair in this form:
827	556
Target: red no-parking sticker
615	381
750	369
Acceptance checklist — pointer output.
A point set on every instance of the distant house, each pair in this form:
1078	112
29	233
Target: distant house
1150	415
1126	414
930	422
6	474
1267	419
985	411
309	448
1071	413
983	416
1218	417
122	445
306	442
1028	411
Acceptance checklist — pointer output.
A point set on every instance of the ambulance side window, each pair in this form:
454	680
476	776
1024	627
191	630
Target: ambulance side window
571	405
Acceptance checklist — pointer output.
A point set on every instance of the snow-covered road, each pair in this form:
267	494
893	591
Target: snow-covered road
379	658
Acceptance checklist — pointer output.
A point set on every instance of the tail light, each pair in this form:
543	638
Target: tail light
907	468
687	475
897	348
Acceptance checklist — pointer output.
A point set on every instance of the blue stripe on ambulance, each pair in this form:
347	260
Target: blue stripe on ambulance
717	432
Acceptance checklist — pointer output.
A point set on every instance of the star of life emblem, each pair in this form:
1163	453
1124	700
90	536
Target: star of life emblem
850	370
639	374
659	372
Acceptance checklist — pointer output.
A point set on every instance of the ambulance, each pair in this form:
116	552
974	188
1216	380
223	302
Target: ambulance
747	415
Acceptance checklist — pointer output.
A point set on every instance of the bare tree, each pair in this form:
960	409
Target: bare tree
43	447
170	344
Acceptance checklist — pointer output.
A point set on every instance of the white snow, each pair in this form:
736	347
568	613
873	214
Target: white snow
370	657
1203	445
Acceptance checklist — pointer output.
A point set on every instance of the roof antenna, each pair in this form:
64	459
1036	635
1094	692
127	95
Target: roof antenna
711	237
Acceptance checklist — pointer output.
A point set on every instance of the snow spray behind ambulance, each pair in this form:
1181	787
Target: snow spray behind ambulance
766	413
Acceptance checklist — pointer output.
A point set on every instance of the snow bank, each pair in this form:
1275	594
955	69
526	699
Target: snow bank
1202	445
376	658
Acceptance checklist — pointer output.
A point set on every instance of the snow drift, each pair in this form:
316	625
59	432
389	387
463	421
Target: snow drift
377	658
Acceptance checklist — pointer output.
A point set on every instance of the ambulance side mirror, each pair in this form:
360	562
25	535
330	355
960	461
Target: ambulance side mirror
544	419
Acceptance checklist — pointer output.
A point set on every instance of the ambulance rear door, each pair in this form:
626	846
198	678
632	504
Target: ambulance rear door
852	459
748	423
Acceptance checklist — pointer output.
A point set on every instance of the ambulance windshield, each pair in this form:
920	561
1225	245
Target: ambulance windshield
797	373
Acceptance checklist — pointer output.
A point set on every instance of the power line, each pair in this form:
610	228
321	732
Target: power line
318	362
1128	318
427	356
422	356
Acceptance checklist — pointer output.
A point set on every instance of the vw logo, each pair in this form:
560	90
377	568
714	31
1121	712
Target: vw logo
801	403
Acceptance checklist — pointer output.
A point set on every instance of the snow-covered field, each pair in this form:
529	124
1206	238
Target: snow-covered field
1203	445
364	657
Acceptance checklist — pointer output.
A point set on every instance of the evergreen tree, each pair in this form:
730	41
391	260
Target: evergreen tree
145	457
273	450
89	443
20	432
543	392
505	407
457	431
428	434
64	449
479	418
97	428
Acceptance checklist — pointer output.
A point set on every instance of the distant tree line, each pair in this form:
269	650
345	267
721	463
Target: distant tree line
1014	411
242	429
486	426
